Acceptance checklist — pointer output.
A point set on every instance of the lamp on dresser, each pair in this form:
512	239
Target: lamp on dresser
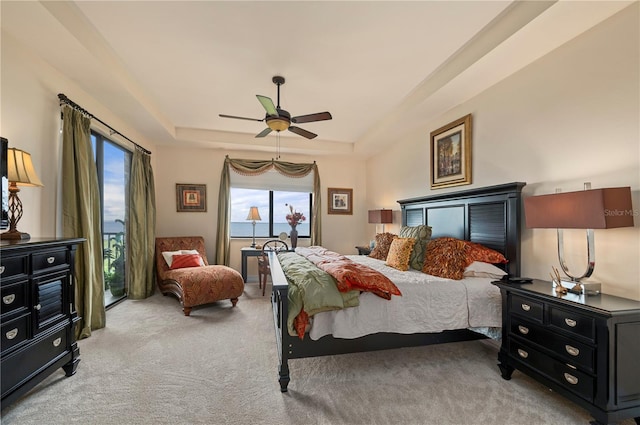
381	217
587	209
254	215
20	172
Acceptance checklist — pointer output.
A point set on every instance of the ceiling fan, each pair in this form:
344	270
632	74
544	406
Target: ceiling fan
278	119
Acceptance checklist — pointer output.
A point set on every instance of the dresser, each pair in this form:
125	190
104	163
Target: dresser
38	313
586	348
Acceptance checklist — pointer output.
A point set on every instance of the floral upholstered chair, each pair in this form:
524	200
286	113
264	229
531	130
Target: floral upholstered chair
182	270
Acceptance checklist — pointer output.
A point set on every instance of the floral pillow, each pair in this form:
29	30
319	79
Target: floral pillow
422	235
383	243
445	258
400	253
478	252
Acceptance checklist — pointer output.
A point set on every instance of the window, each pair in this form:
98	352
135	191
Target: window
113	164
273	208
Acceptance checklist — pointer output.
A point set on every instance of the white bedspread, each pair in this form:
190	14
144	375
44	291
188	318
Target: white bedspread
427	304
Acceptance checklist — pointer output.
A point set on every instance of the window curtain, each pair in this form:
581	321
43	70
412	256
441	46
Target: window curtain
255	168
81	219
141	230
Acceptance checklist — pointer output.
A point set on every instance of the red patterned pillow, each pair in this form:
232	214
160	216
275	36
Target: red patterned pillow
445	258
185	260
478	252
383	243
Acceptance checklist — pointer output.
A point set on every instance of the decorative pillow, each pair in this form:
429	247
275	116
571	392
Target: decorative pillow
445	258
480	269
422	235
181	261
400	253
478	252
383	243
168	255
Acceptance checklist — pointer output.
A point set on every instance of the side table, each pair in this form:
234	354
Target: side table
246	253
363	250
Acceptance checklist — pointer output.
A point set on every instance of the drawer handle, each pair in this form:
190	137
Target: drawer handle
570	378
8	299
525	307
37	307
57	341
523	330
570	322
572	350
50	260
12	333
1	269
522	353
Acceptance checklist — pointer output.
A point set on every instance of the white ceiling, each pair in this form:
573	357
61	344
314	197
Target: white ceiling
168	68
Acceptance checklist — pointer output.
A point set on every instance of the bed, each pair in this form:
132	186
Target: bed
489	216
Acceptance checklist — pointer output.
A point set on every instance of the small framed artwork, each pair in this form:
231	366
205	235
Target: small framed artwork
451	154
340	201
191	197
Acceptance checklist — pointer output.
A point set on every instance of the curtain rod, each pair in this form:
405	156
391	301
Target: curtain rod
64	99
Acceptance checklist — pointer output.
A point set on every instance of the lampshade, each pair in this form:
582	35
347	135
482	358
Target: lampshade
253	214
586	209
20	168
380	216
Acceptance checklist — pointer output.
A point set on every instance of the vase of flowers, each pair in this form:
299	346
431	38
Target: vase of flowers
293	218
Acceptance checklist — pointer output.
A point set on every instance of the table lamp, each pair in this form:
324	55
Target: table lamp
253	216
381	217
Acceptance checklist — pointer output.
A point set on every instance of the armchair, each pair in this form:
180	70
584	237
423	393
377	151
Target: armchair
197	285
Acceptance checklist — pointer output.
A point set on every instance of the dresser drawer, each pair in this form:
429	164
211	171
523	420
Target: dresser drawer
14	266
22	364
14	297
580	383
575	323
14	332
49	260
527	307
574	352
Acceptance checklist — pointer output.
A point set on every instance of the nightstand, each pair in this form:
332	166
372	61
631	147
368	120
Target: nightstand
363	250
585	348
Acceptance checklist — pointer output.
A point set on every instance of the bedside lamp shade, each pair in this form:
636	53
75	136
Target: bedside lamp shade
381	217
254	215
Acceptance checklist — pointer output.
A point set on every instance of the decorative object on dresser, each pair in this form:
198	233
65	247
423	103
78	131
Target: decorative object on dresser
294	218
381	216
38	312
587	209
340	201
20	172
451	154
584	348
254	215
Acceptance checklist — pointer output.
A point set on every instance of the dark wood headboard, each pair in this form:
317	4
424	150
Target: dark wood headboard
489	216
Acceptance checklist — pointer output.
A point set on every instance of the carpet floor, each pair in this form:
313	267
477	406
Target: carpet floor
153	365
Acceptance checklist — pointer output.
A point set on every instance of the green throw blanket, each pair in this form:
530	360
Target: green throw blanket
311	289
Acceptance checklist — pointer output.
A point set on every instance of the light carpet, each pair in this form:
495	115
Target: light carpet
153	365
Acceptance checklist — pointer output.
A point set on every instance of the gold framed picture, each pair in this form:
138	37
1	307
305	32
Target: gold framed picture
340	201
191	197
451	154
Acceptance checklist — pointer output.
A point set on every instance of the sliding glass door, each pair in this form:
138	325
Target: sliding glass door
113	163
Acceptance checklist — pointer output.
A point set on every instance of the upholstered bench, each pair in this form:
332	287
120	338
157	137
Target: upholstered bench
190	277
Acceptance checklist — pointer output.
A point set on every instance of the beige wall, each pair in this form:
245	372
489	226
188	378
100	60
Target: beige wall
569	118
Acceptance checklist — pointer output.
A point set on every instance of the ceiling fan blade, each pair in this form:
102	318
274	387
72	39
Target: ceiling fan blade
301	132
264	132
268	105
320	116
240	118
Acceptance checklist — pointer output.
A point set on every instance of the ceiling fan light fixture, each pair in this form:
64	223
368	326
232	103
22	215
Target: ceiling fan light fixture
278	123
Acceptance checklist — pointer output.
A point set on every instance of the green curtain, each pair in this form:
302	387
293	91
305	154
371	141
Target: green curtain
249	167
141	227
81	218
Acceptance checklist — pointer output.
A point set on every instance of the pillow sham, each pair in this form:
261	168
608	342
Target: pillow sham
445	258
383	243
481	269
422	235
400	253
478	252
168	255
181	261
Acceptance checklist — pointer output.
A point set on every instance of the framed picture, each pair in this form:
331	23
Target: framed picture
340	201
191	197
451	154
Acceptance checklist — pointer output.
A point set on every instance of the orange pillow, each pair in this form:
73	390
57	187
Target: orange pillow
400	253
477	252
185	260
445	258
